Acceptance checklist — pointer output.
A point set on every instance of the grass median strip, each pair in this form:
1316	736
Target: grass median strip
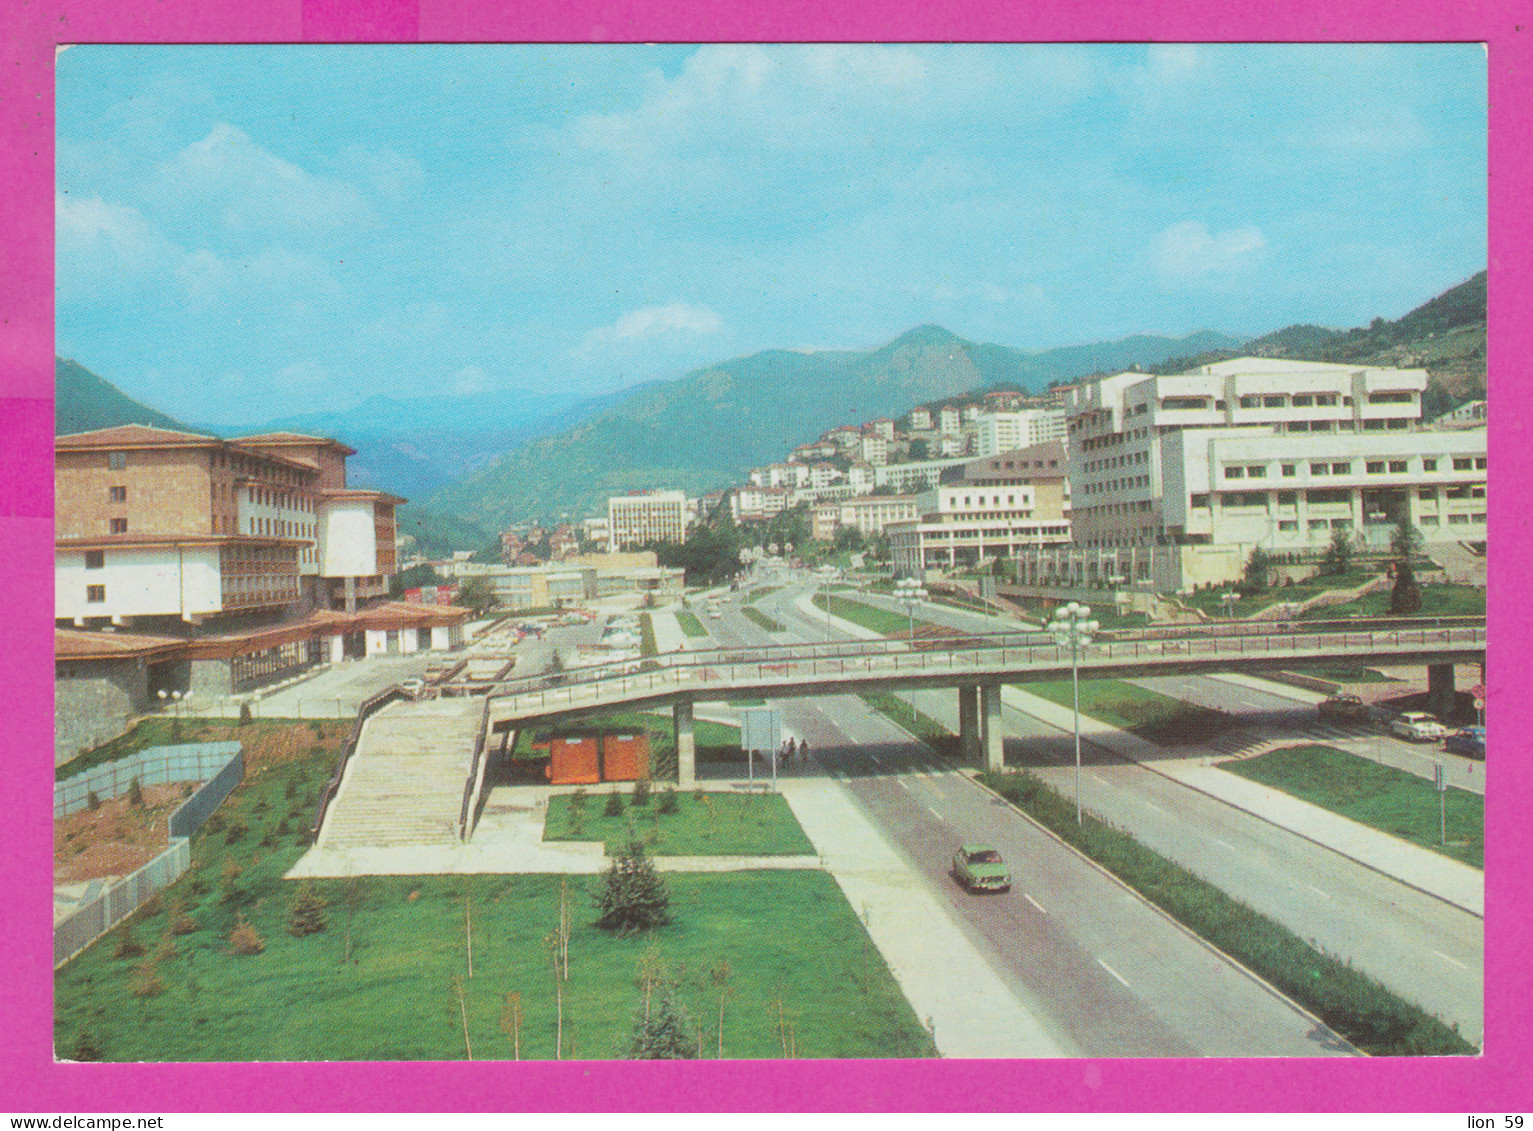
690	624
885	622
1152	716
922	726
1354	1005
1351	1003
758	617
1380	797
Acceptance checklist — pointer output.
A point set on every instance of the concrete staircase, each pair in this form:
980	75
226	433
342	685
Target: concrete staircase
404	785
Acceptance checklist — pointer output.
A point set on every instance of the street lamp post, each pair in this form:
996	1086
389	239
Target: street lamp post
1229	600
910	593
1073	625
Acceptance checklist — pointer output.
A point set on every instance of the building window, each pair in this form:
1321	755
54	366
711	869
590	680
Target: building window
1429	520
1375	467
1250	402
1234	472
117	461
95	559
119	494
1463	463
1287	498
1256	471
95	594
1302	400
1289	525
1341	469
1429	465
1290	470
1397	467
1458	520
1272	402
119	526
1403	397
1479	463
1199	502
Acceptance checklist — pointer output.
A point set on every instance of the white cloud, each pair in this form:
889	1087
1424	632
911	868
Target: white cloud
228	177
1188	251
470	380
102	248
677	319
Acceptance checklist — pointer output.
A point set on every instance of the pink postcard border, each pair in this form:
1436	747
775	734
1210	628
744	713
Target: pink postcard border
30	1081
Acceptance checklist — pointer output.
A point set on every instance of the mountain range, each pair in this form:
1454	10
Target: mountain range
708	429
473	465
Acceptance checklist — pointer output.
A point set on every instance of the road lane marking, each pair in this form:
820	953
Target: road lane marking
1034	902
1226	843
934	813
1317	891
1454	961
905	785
1113	972
874	759
1154	806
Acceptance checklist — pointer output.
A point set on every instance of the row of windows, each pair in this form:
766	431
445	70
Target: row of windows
1325	496
1344	467
1116	484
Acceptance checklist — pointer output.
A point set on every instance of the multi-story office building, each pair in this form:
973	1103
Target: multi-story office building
1008	431
998	507
197	566
756	503
1194	471
646	516
868	514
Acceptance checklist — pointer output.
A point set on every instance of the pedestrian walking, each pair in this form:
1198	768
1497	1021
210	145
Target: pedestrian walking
803	751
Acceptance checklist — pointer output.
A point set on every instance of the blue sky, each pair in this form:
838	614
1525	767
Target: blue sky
244	232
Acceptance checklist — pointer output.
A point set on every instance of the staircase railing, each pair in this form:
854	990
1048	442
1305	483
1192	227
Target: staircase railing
368	708
476	771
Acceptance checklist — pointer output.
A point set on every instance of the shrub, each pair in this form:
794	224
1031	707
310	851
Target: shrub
146	980
633	897
127	946
641	792
181	923
245	716
85	1047
578	799
614	807
244	939
667	801
93	800
307	915
135	793
236	832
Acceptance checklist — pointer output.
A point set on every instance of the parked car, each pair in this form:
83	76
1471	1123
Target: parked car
1470	741
1343	706
978	867
1418	726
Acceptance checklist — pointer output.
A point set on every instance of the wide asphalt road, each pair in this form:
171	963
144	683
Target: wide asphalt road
1109	975
1427	951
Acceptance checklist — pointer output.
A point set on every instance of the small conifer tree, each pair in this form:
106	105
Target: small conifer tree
244	939
662	1031
307	915
614	807
633	897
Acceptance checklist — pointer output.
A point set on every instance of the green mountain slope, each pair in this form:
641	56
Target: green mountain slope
84	402
707	429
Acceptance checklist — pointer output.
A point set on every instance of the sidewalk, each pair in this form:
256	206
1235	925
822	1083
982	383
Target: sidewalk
1416	867
1420	868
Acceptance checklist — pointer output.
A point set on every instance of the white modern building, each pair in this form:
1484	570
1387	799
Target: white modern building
1008	431
646	516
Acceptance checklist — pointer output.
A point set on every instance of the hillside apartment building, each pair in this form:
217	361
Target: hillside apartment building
1175	480
646	516
210	567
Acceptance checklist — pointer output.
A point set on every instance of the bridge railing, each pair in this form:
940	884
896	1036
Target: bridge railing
702	670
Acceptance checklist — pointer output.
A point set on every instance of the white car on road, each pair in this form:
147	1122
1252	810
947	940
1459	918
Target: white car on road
1418	726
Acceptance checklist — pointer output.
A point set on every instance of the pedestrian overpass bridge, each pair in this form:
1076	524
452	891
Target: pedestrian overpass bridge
976	665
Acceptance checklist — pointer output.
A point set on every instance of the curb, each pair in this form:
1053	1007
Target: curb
971	776
1374	868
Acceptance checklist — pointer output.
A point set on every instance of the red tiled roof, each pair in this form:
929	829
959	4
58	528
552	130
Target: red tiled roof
296	439
77	644
132	435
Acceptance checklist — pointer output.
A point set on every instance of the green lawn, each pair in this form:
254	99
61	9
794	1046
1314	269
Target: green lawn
791	958
760	618
647	646
1350	675
1381	797
163	732
917	723
1208	599
762	591
1436	601
704	824
886	622
690	624
1154	717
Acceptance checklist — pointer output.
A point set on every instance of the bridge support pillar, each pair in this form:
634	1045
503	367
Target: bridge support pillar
1440	691
686	744
995	751
968	724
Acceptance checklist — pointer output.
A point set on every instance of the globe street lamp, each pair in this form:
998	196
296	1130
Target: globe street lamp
910	593
1073	625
